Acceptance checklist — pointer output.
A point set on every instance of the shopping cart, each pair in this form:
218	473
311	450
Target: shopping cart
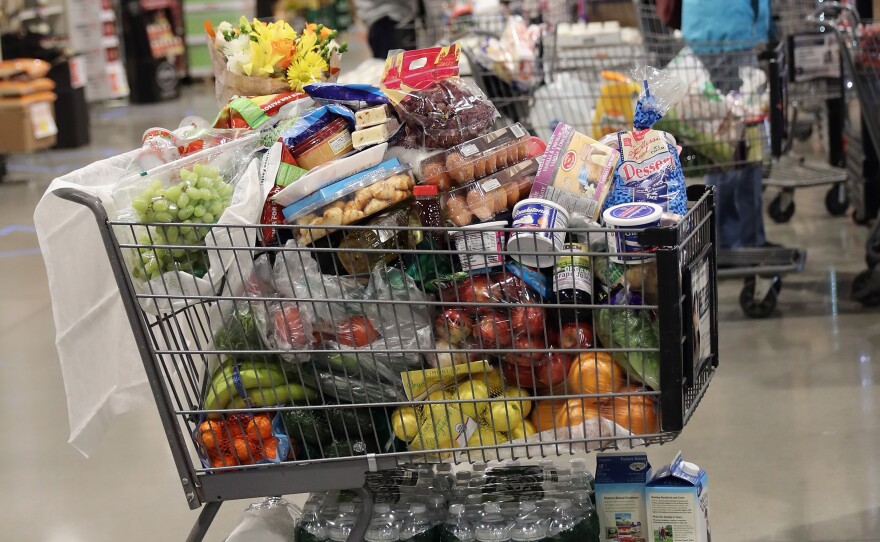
859	49
198	344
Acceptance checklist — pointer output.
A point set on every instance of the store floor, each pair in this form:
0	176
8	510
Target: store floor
788	431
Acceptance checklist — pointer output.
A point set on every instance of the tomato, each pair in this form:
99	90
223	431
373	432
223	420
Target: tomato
290	331
356	331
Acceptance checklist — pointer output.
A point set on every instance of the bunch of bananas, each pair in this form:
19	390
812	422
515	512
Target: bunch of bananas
477	422
264	384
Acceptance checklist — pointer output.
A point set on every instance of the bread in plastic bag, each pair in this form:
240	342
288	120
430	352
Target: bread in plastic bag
649	169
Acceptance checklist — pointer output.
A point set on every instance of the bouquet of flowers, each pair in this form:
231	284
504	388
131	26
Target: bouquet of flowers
257	58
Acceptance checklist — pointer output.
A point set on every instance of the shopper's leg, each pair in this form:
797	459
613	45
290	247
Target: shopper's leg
382	37
749	206
728	219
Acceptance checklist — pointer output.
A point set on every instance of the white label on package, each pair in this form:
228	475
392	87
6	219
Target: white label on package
384	235
490	185
579	278
517	130
478	241
469	150
42	121
675	515
574	203
340	142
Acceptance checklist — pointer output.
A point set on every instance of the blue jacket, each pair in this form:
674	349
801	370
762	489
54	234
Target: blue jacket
725	25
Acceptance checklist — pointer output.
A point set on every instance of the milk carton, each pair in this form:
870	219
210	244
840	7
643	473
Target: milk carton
620	497
678	503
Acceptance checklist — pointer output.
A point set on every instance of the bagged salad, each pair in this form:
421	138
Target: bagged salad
649	169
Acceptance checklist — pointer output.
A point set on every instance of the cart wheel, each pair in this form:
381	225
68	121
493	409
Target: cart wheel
837	200
779	214
758	308
865	289
803	130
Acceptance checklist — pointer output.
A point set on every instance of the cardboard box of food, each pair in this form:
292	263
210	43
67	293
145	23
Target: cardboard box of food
620	496
28	124
677	498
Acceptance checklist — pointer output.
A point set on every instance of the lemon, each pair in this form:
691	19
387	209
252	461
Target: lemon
486	437
515	393
405	423
473	389
441	427
494	381
523	431
504	416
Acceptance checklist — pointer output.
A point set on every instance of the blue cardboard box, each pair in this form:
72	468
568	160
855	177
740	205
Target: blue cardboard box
620	496
677	498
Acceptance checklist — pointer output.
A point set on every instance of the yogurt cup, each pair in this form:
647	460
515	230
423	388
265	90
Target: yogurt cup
537	213
484	238
626	220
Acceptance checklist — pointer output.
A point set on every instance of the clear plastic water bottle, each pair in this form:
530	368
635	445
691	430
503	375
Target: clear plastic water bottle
527	526
436	510
478	478
474	508
459	494
457	527
492	527
444	477
463	477
584	507
581	477
311	527
566	525
400	512
382	527
341	527
510	510
417	527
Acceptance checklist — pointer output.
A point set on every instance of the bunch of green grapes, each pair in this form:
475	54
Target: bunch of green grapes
200	197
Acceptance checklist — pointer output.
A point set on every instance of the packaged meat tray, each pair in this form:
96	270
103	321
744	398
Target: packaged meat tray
482	200
350	200
480	157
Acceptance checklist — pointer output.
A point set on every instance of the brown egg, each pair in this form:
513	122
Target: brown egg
459	168
525	186
513	194
482	205
491	163
457	211
479	168
498	197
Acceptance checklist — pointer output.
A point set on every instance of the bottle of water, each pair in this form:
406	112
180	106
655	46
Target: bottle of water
444	477
478	478
527	526
474	508
311	527
581	478
341	527
436	510
417	527
492	527
459	494
463	477
566	526
382	527
457	527
585	508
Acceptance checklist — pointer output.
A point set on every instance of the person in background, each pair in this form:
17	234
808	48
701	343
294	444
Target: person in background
724	35
390	24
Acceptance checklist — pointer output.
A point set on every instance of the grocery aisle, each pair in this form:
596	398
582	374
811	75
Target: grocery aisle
787	433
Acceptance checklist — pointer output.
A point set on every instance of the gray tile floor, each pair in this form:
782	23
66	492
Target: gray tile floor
788	432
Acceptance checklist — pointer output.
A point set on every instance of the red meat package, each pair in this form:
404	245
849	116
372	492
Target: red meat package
440	109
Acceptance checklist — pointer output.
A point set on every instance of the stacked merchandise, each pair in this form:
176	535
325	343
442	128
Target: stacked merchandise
26	106
511	502
451	303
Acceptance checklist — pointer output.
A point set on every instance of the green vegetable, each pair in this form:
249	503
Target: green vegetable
240	331
308	427
341	448
355	423
629	328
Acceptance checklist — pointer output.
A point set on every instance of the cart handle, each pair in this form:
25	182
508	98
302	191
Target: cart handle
832	12
84	198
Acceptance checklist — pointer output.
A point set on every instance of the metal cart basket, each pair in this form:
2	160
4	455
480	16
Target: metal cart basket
289	346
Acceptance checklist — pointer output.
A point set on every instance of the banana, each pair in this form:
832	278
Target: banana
219	396
279	395
225	371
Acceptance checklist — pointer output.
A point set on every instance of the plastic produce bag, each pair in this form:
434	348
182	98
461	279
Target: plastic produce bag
548	110
440	109
242	439
629	328
649	169
218	185
270	520
352	330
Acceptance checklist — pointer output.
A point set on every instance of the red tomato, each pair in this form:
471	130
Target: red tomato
289	328
356	331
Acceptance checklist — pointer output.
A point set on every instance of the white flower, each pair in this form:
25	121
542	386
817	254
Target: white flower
236	62
225	26
238	46
220	32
